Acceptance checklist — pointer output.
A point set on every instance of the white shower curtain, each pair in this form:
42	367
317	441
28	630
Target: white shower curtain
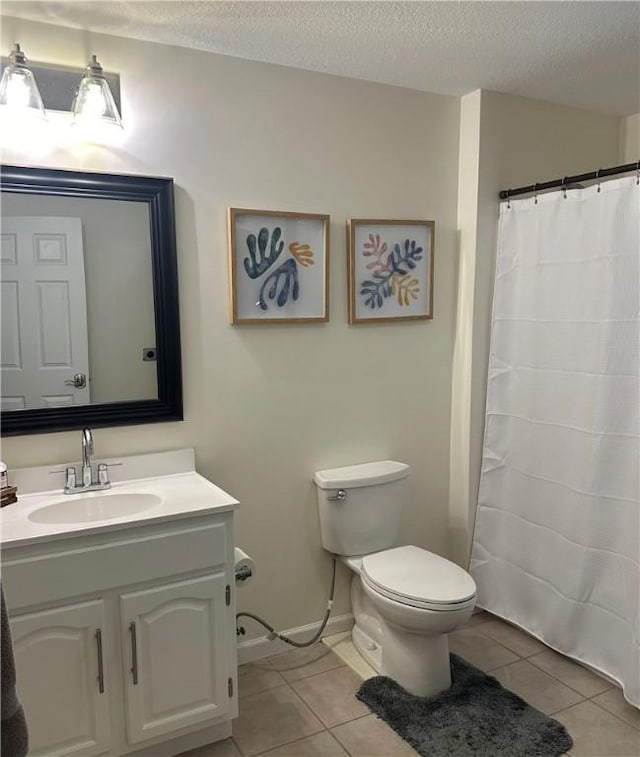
556	545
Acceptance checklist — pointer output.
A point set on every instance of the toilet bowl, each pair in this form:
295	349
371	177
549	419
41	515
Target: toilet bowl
405	600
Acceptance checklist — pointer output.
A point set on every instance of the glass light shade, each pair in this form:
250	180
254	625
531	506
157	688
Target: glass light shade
19	93
94	102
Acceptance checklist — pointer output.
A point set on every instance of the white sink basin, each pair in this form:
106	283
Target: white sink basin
94	507
150	488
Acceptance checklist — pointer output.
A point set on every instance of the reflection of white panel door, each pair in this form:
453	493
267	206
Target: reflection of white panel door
44	313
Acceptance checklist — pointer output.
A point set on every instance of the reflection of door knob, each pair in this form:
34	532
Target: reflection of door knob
79	381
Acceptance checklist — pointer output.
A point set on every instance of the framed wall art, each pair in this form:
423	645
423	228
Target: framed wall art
279	266
390	270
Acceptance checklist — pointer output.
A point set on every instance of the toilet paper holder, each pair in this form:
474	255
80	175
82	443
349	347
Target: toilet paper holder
244	567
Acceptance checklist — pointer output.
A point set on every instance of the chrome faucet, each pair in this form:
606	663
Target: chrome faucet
88	483
87	451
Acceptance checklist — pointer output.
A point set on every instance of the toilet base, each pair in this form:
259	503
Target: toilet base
369	650
418	662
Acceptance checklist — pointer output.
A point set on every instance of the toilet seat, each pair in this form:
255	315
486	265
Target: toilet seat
413	576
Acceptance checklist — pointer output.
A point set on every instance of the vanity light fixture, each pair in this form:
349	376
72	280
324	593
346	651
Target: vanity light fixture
91	96
94	102
19	92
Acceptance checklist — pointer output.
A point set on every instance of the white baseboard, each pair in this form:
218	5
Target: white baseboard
257	649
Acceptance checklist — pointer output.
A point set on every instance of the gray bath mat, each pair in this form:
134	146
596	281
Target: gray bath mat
476	717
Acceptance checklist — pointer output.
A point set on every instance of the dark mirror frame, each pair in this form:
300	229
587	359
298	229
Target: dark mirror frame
157	193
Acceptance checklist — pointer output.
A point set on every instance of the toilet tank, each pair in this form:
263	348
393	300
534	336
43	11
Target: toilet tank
367	518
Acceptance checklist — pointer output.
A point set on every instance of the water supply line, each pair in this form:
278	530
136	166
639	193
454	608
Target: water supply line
273	634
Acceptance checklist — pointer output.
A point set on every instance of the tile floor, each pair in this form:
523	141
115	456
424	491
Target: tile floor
301	703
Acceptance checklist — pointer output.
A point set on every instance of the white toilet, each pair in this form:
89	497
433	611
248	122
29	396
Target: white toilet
404	599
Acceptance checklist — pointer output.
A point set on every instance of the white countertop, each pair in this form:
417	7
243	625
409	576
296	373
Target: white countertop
181	494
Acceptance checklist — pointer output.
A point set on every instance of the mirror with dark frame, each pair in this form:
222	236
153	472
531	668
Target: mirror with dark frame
89	294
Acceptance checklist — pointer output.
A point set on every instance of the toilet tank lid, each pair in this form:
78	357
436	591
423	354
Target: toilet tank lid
363	474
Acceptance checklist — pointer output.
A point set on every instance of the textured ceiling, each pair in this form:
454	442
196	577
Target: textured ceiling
585	54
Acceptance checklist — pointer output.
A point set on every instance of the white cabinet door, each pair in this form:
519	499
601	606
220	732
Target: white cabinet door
176	667
61	680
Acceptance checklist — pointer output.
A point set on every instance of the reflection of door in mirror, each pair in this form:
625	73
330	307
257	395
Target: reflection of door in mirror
120	315
45	359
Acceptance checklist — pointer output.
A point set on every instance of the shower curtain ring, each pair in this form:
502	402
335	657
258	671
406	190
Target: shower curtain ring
598	179
535	193
508	199
638	174
564	187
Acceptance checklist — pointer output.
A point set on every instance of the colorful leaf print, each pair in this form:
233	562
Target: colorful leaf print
302	253
391	276
259	259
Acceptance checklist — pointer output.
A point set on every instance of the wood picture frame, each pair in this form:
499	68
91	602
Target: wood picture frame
278	266
390	270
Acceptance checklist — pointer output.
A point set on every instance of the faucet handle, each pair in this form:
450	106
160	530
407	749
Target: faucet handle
103	473
68	471
70	481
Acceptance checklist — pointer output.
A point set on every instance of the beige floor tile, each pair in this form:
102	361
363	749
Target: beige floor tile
540	690
331	695
301	663
321	745
335	638
577	677
480	650
353	659
254	677
596	733
371	737
273	718
225	748
477	618
613	701
512	638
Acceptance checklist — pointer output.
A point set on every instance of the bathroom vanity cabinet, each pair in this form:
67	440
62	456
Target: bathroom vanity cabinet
124	639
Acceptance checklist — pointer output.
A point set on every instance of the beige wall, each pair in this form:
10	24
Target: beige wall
630	139
508	142
120	314
265	406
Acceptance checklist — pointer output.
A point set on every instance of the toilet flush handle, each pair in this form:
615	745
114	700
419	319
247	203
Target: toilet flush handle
339	496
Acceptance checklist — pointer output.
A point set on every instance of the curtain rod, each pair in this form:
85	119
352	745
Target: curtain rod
505	194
